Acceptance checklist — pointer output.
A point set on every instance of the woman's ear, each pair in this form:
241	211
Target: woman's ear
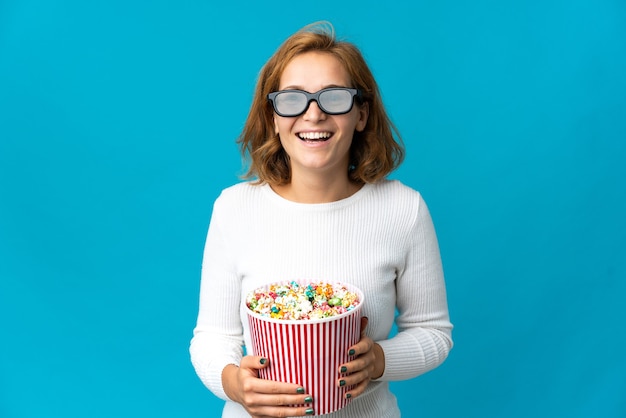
364	112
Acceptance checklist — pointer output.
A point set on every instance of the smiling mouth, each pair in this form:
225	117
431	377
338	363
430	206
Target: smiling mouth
314	136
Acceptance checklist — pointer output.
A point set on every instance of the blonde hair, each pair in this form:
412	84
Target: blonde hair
374	152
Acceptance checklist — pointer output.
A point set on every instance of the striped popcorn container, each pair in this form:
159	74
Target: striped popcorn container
309	352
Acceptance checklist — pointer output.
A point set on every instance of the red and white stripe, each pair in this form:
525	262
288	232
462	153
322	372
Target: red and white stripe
307	353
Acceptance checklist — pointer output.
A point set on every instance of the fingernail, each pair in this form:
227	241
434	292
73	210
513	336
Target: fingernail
342	383
263	360
300	390
309	411
308	399
344	369
351	352
348	395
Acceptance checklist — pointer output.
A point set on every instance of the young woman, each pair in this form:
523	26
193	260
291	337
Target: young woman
318	206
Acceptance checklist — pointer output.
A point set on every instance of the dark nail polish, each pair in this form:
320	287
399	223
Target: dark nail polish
344	369
342	383
308	399
348	395
309	411
300	390
263	360
351	352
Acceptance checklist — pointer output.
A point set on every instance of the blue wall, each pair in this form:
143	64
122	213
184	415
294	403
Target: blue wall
117	129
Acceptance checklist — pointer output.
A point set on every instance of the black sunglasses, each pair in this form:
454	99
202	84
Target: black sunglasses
332	101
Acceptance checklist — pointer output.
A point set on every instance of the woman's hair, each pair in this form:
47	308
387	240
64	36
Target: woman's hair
374	152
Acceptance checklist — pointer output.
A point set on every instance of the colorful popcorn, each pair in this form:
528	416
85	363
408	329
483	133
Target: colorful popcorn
295	301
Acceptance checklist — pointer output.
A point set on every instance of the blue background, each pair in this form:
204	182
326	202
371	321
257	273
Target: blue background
117	129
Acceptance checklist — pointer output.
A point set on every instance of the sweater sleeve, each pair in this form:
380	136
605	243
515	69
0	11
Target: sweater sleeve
424	337
218	336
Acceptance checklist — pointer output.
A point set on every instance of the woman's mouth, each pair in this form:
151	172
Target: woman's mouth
314	136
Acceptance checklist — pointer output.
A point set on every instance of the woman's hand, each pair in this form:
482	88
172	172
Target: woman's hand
369	364
264	398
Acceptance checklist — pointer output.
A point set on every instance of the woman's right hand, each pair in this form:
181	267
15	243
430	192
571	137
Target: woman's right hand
264	398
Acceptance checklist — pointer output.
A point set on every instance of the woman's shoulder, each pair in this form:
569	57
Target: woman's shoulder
396	200
239	196
243	190
395	190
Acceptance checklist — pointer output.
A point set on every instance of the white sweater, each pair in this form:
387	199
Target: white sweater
381	239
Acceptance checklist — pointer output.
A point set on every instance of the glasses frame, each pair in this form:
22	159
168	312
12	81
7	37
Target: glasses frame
355	93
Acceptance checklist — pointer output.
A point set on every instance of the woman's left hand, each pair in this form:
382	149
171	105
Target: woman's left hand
369	364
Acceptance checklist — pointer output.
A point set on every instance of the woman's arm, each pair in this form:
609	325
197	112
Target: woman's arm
424	329
216	347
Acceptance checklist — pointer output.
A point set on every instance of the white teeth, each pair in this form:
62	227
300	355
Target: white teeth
314	135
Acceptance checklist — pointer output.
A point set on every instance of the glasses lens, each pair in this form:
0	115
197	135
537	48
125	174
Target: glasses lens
336	101
290	103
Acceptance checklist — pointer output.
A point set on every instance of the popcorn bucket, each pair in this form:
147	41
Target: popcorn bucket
309	352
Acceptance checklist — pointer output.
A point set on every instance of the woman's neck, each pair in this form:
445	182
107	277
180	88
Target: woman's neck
317	190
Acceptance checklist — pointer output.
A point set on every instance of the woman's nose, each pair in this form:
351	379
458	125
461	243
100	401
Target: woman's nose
313	112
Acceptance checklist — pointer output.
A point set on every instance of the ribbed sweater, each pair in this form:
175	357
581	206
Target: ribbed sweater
381	239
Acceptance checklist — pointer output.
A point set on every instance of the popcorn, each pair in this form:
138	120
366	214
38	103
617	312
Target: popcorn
295	301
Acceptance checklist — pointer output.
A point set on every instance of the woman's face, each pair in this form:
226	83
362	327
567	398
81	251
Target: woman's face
318	143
